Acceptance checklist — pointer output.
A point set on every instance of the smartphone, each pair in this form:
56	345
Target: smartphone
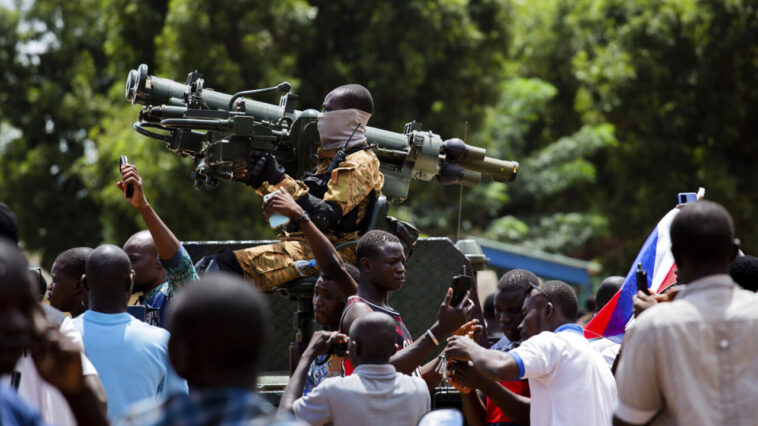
129	191
686	197
339	349
461	284
276	220
642	279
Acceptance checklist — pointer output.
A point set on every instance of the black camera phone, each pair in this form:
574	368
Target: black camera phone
642	279
461	284
129	191
339	349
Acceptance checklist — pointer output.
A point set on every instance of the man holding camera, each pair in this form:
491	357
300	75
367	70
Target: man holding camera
337	197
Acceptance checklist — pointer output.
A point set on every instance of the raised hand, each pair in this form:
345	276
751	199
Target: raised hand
449	317
129	175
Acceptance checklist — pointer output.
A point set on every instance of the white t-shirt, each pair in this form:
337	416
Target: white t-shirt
374	395
569	381
36	392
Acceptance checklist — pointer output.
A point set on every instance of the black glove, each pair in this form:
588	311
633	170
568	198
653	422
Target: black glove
263	167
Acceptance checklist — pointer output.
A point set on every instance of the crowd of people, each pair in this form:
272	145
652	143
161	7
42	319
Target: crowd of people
134	335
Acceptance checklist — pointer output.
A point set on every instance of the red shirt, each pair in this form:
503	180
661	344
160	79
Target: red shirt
495	416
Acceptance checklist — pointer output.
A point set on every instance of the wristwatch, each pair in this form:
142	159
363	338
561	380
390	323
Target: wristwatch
303	218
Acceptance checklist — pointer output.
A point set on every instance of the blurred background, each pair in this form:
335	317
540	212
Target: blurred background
612	107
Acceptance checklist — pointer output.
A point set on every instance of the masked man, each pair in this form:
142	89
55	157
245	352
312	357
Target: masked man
336	197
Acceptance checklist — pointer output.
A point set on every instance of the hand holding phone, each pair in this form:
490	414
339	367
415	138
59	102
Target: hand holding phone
129	190
642	279
461	284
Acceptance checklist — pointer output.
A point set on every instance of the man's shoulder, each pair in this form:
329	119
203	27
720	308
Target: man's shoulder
364	158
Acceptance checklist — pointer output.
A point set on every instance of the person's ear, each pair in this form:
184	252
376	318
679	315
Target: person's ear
365	265
735	249
549	309
79	285
131	280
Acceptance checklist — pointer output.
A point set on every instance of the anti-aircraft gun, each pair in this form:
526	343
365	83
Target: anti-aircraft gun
220	130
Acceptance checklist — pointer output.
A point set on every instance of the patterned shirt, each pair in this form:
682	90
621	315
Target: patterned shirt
349	186
179	270
222	406
322	367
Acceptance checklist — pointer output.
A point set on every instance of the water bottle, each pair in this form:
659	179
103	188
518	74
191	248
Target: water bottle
305	267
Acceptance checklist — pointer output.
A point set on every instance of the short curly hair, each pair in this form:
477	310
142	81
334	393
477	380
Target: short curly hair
744	271
371	242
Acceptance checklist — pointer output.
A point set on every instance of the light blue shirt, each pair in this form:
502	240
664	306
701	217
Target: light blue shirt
130	357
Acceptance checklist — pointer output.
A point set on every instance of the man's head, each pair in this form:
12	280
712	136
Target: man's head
17	305
372	339
66	291
702	240
381	260
109	278
509	301
8	223
219	327
344	116
547	307
328	302
744	271
607	289
349	96
143	254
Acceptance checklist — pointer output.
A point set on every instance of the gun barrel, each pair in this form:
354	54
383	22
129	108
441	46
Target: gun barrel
146	89
498	170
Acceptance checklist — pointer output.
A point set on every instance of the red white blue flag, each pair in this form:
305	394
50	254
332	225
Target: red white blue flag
658	263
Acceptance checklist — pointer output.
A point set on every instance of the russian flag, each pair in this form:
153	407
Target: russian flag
658	263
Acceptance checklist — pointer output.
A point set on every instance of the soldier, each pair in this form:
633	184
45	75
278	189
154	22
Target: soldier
336	197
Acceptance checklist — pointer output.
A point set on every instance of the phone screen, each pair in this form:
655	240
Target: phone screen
461	284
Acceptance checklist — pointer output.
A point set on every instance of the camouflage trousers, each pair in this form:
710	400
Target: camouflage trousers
272	265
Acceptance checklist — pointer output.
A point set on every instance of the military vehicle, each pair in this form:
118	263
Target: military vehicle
218	131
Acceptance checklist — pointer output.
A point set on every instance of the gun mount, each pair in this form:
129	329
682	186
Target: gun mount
220	130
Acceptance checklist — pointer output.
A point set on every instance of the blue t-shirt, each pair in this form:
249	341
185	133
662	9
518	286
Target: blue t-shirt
13	411
130	357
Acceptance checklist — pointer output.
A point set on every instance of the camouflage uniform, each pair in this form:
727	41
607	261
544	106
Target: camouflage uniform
349	186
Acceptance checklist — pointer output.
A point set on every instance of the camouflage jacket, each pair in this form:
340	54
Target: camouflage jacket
349	186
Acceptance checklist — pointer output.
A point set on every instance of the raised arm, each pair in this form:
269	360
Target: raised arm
174	259
319	344
165	240
327	257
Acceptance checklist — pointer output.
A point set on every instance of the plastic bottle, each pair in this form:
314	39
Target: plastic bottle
305	267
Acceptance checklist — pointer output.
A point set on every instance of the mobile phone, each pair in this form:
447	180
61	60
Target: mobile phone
129	191
686	197
277	219
642	279
337	349
461	284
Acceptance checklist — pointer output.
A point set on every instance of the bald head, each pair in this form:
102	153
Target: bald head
563	297
142	252
702	234
219	327
109	278
373	339
349	96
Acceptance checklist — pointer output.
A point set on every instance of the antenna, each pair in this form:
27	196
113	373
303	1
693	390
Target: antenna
460	192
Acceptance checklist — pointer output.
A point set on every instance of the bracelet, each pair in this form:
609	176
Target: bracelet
303	218
431	336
